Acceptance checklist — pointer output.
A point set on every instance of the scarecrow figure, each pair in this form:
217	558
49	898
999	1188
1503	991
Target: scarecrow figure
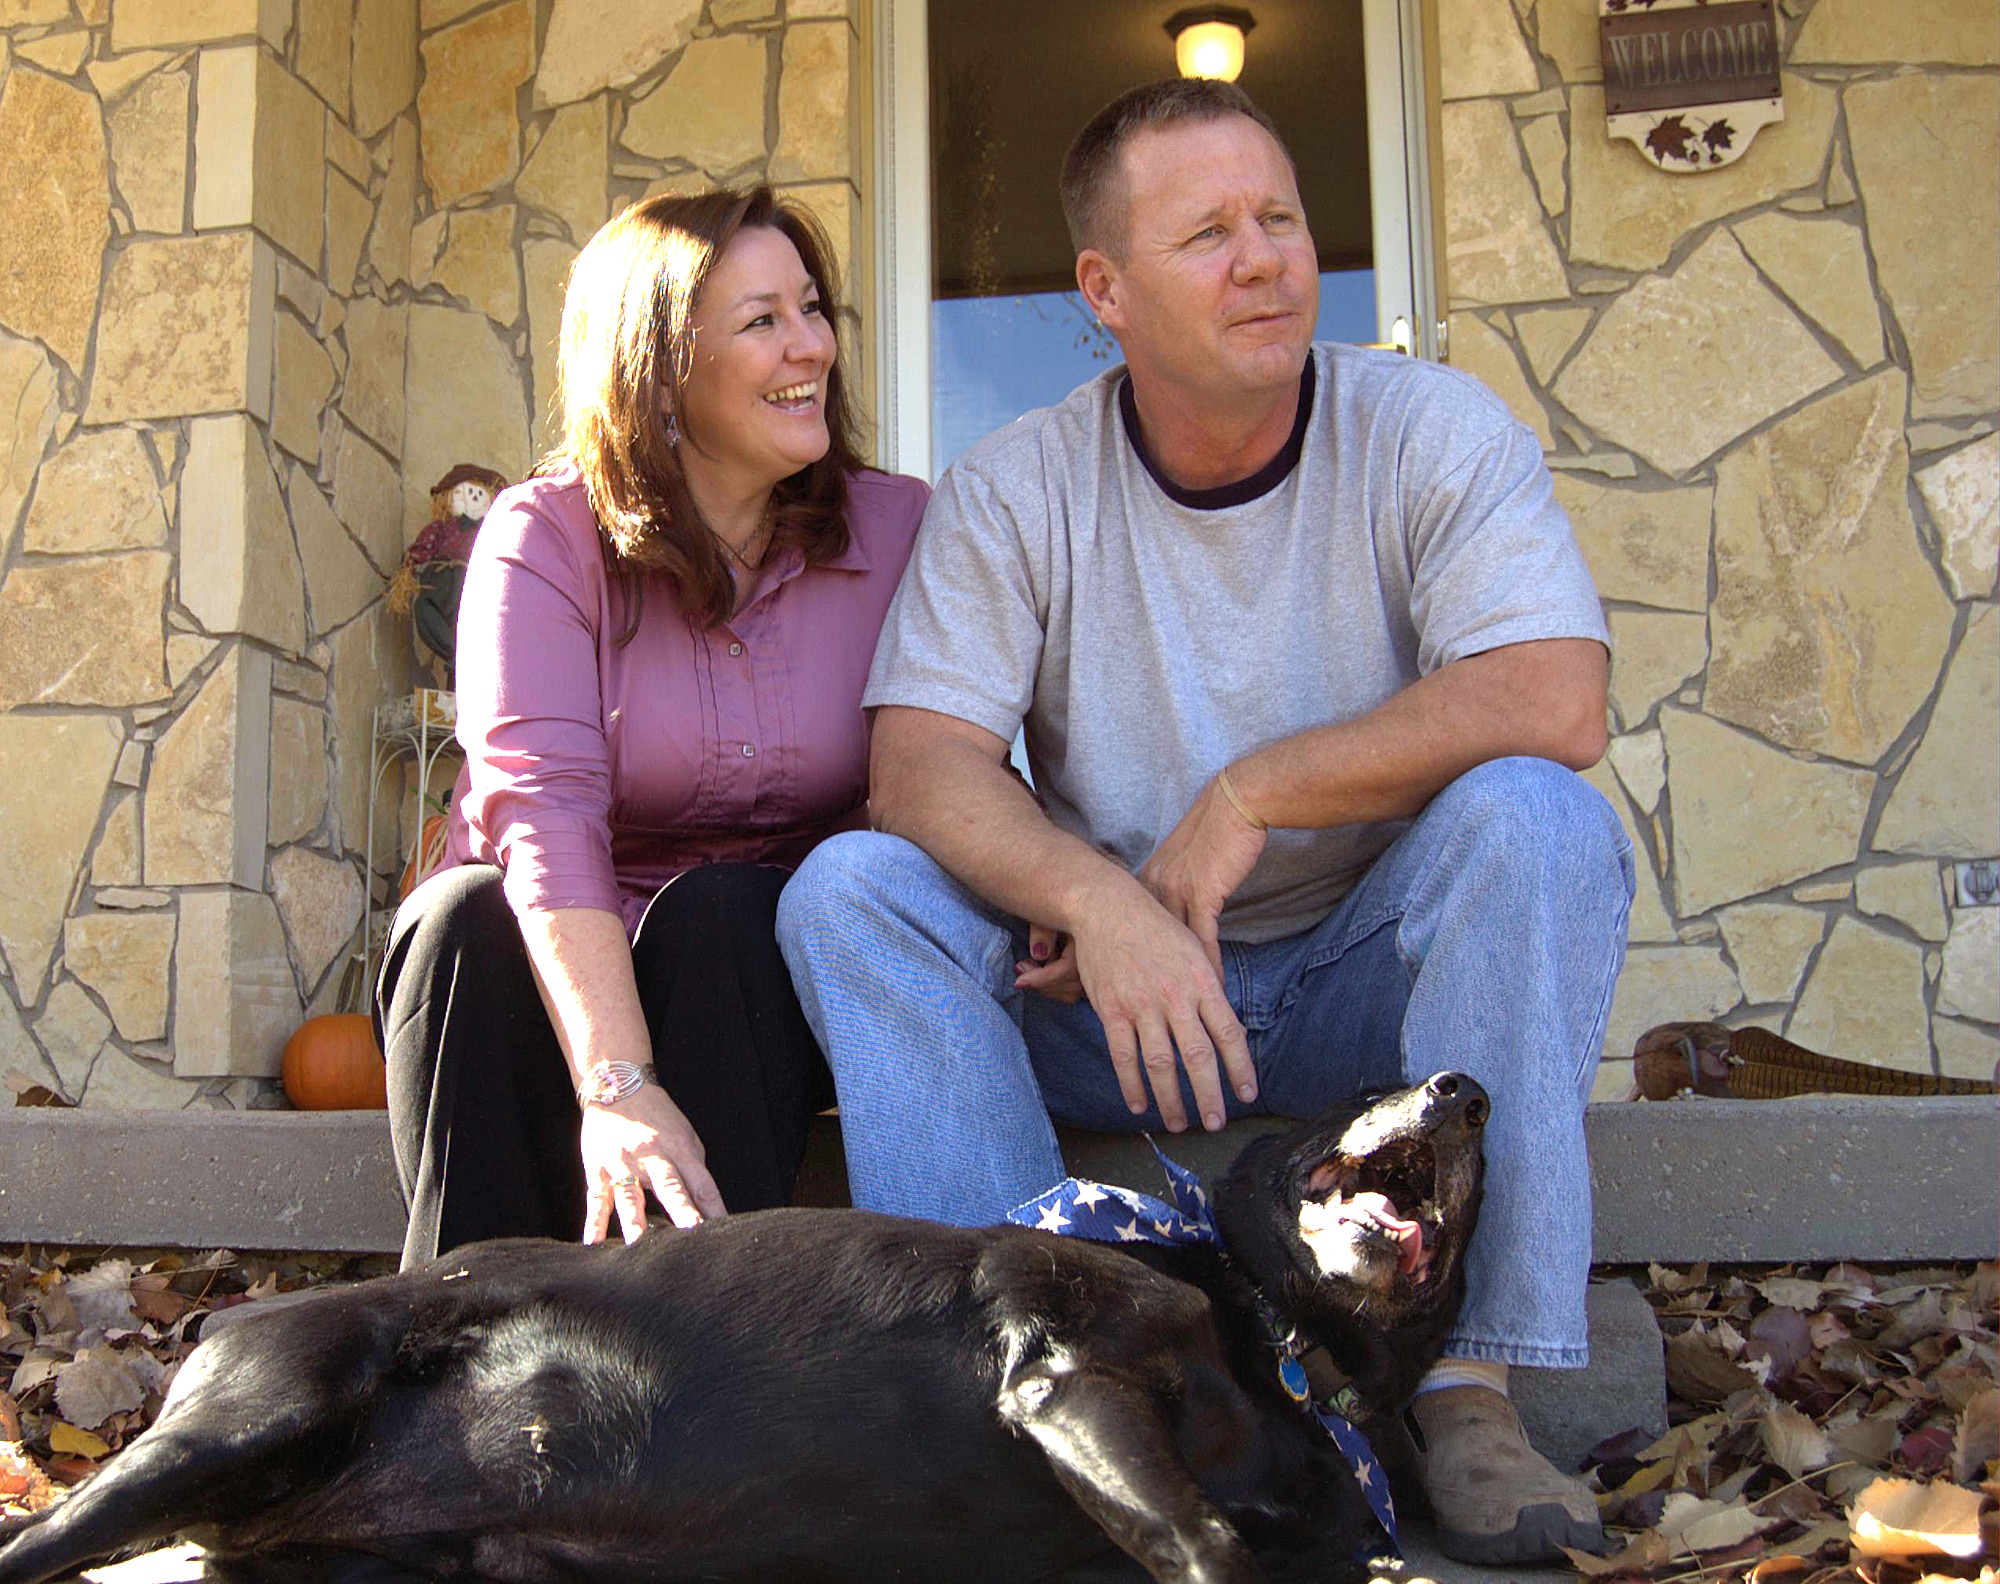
428	582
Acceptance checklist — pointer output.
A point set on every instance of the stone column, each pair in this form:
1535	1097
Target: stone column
177	588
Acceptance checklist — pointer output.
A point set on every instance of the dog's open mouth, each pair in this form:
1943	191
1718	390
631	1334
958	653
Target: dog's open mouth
1383	1202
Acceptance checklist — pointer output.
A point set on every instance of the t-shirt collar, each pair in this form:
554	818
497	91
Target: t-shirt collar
1242	491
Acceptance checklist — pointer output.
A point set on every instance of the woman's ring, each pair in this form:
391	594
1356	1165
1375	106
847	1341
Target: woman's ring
627	1181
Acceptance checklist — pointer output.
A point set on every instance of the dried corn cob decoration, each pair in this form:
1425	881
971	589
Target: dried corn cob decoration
1755	1064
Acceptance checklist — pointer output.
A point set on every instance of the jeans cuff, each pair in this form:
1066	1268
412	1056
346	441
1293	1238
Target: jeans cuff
1526	1355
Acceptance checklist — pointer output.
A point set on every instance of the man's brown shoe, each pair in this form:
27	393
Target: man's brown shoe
1497	1499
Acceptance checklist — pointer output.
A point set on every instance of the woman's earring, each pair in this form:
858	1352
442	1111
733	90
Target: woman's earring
673	430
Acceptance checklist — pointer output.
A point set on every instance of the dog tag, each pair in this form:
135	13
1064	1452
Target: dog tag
1292	1376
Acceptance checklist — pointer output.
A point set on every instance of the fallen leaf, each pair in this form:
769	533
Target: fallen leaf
1625	1445
1783	1336
66	1437
1850	1480
1651	1476
39	1366
1816	1537
55	1315
102	1296
1645	1554
1826	1329
1781	1566
1867	1440
1798	1502
1900	1518
1640	1510
1792	1292
1734	1485
24	1488
1693	1439
1700	1372
1958	1383
1794	1442
1695	1523
95	1385
1673	1281
1978	1441
1925	1451
71	1468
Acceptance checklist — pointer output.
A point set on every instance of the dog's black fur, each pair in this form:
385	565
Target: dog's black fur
820	1395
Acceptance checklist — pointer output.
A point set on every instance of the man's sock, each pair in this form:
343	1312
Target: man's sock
1464	1372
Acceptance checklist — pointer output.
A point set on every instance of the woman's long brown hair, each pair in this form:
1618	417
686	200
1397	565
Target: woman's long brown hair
627	348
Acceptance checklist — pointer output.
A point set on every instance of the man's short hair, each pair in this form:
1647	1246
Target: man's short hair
1092	179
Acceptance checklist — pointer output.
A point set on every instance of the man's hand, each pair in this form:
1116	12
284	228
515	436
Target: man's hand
1196	870
643	1141
1156	992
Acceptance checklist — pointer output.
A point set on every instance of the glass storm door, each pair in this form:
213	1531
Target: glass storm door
978	316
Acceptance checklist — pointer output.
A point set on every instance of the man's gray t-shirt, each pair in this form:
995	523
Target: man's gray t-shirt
1144	644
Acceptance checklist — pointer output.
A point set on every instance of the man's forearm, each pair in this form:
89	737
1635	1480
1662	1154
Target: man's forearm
946	787
1542	699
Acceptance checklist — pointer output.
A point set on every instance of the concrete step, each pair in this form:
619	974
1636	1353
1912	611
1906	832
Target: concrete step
1821	1177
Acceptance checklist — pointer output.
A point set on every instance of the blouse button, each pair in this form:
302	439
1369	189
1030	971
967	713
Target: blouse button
736	648
749	752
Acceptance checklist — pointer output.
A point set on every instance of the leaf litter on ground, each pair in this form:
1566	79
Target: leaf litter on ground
1828	1425
90	1341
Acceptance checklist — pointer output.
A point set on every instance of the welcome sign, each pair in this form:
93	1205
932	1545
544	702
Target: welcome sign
1688	82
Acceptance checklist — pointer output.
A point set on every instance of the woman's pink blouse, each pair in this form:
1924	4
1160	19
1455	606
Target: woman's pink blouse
595	774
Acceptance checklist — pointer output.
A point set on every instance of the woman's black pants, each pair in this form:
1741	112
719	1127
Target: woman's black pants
481	1113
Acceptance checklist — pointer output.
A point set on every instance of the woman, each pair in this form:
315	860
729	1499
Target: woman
662	645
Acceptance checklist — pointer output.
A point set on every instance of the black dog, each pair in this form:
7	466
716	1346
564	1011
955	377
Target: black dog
807	1395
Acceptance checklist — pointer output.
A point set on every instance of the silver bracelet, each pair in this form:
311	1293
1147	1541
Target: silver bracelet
606	1083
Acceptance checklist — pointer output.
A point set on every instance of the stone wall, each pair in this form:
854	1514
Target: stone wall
271	268
274	265
1769	396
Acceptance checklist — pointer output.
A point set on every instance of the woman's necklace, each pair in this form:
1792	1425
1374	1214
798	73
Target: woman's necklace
741	557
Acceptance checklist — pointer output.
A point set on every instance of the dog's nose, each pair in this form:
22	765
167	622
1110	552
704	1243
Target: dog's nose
1470	1096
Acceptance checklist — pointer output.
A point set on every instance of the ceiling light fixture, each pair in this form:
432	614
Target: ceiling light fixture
1208	40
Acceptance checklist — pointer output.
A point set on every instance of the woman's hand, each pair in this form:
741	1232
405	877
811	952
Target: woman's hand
636	1143
1050	966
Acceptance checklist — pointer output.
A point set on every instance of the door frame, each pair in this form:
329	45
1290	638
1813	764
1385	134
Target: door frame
1400	55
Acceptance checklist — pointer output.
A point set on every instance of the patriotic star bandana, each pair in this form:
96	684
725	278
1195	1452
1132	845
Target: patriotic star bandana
1105	1213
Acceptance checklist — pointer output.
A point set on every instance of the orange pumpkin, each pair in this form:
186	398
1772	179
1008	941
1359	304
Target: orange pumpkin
428	857
331	1064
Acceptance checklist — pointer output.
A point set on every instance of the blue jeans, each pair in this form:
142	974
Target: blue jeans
1486	939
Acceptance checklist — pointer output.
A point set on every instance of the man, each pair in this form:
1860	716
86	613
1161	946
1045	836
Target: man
1302	645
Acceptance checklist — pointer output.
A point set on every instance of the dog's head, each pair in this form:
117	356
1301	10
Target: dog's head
1363	1214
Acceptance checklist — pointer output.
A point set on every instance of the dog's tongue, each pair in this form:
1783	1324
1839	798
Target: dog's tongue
1413	1258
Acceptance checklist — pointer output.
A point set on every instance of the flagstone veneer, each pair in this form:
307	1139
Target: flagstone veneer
43	839
97	492
1927	156
1828	623
185	328
56	208
1749	818
1683	364
1865	999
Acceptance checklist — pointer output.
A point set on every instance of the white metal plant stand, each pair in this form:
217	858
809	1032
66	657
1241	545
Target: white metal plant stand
419	726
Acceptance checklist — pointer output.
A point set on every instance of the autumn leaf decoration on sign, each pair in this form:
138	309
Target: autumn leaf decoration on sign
1688	82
